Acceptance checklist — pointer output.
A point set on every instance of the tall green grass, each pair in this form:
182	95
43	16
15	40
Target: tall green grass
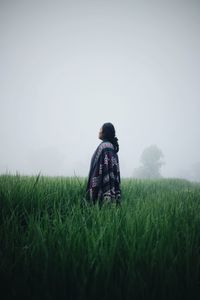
53	245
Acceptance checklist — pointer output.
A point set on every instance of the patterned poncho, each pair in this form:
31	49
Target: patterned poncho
104	176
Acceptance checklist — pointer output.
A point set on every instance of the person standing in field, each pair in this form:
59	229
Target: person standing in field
104	176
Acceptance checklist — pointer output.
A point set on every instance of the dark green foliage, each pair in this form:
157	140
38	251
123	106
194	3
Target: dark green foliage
55	246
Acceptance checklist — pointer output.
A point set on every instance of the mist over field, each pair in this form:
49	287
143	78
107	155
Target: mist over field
67	67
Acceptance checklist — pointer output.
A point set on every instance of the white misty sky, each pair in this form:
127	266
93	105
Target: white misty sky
67	67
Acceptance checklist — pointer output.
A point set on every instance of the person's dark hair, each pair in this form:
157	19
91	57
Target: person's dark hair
109	134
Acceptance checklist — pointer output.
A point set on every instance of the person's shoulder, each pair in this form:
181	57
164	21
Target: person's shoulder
106	145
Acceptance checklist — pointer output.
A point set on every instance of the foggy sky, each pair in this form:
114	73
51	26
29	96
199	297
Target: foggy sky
67	67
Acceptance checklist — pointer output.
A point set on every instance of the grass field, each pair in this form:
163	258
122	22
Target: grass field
54	246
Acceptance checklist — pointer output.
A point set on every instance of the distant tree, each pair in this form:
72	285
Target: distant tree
151	160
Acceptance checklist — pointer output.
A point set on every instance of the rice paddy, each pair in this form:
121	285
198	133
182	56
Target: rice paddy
53	245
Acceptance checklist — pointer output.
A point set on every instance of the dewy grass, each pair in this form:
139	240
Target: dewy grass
55	246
